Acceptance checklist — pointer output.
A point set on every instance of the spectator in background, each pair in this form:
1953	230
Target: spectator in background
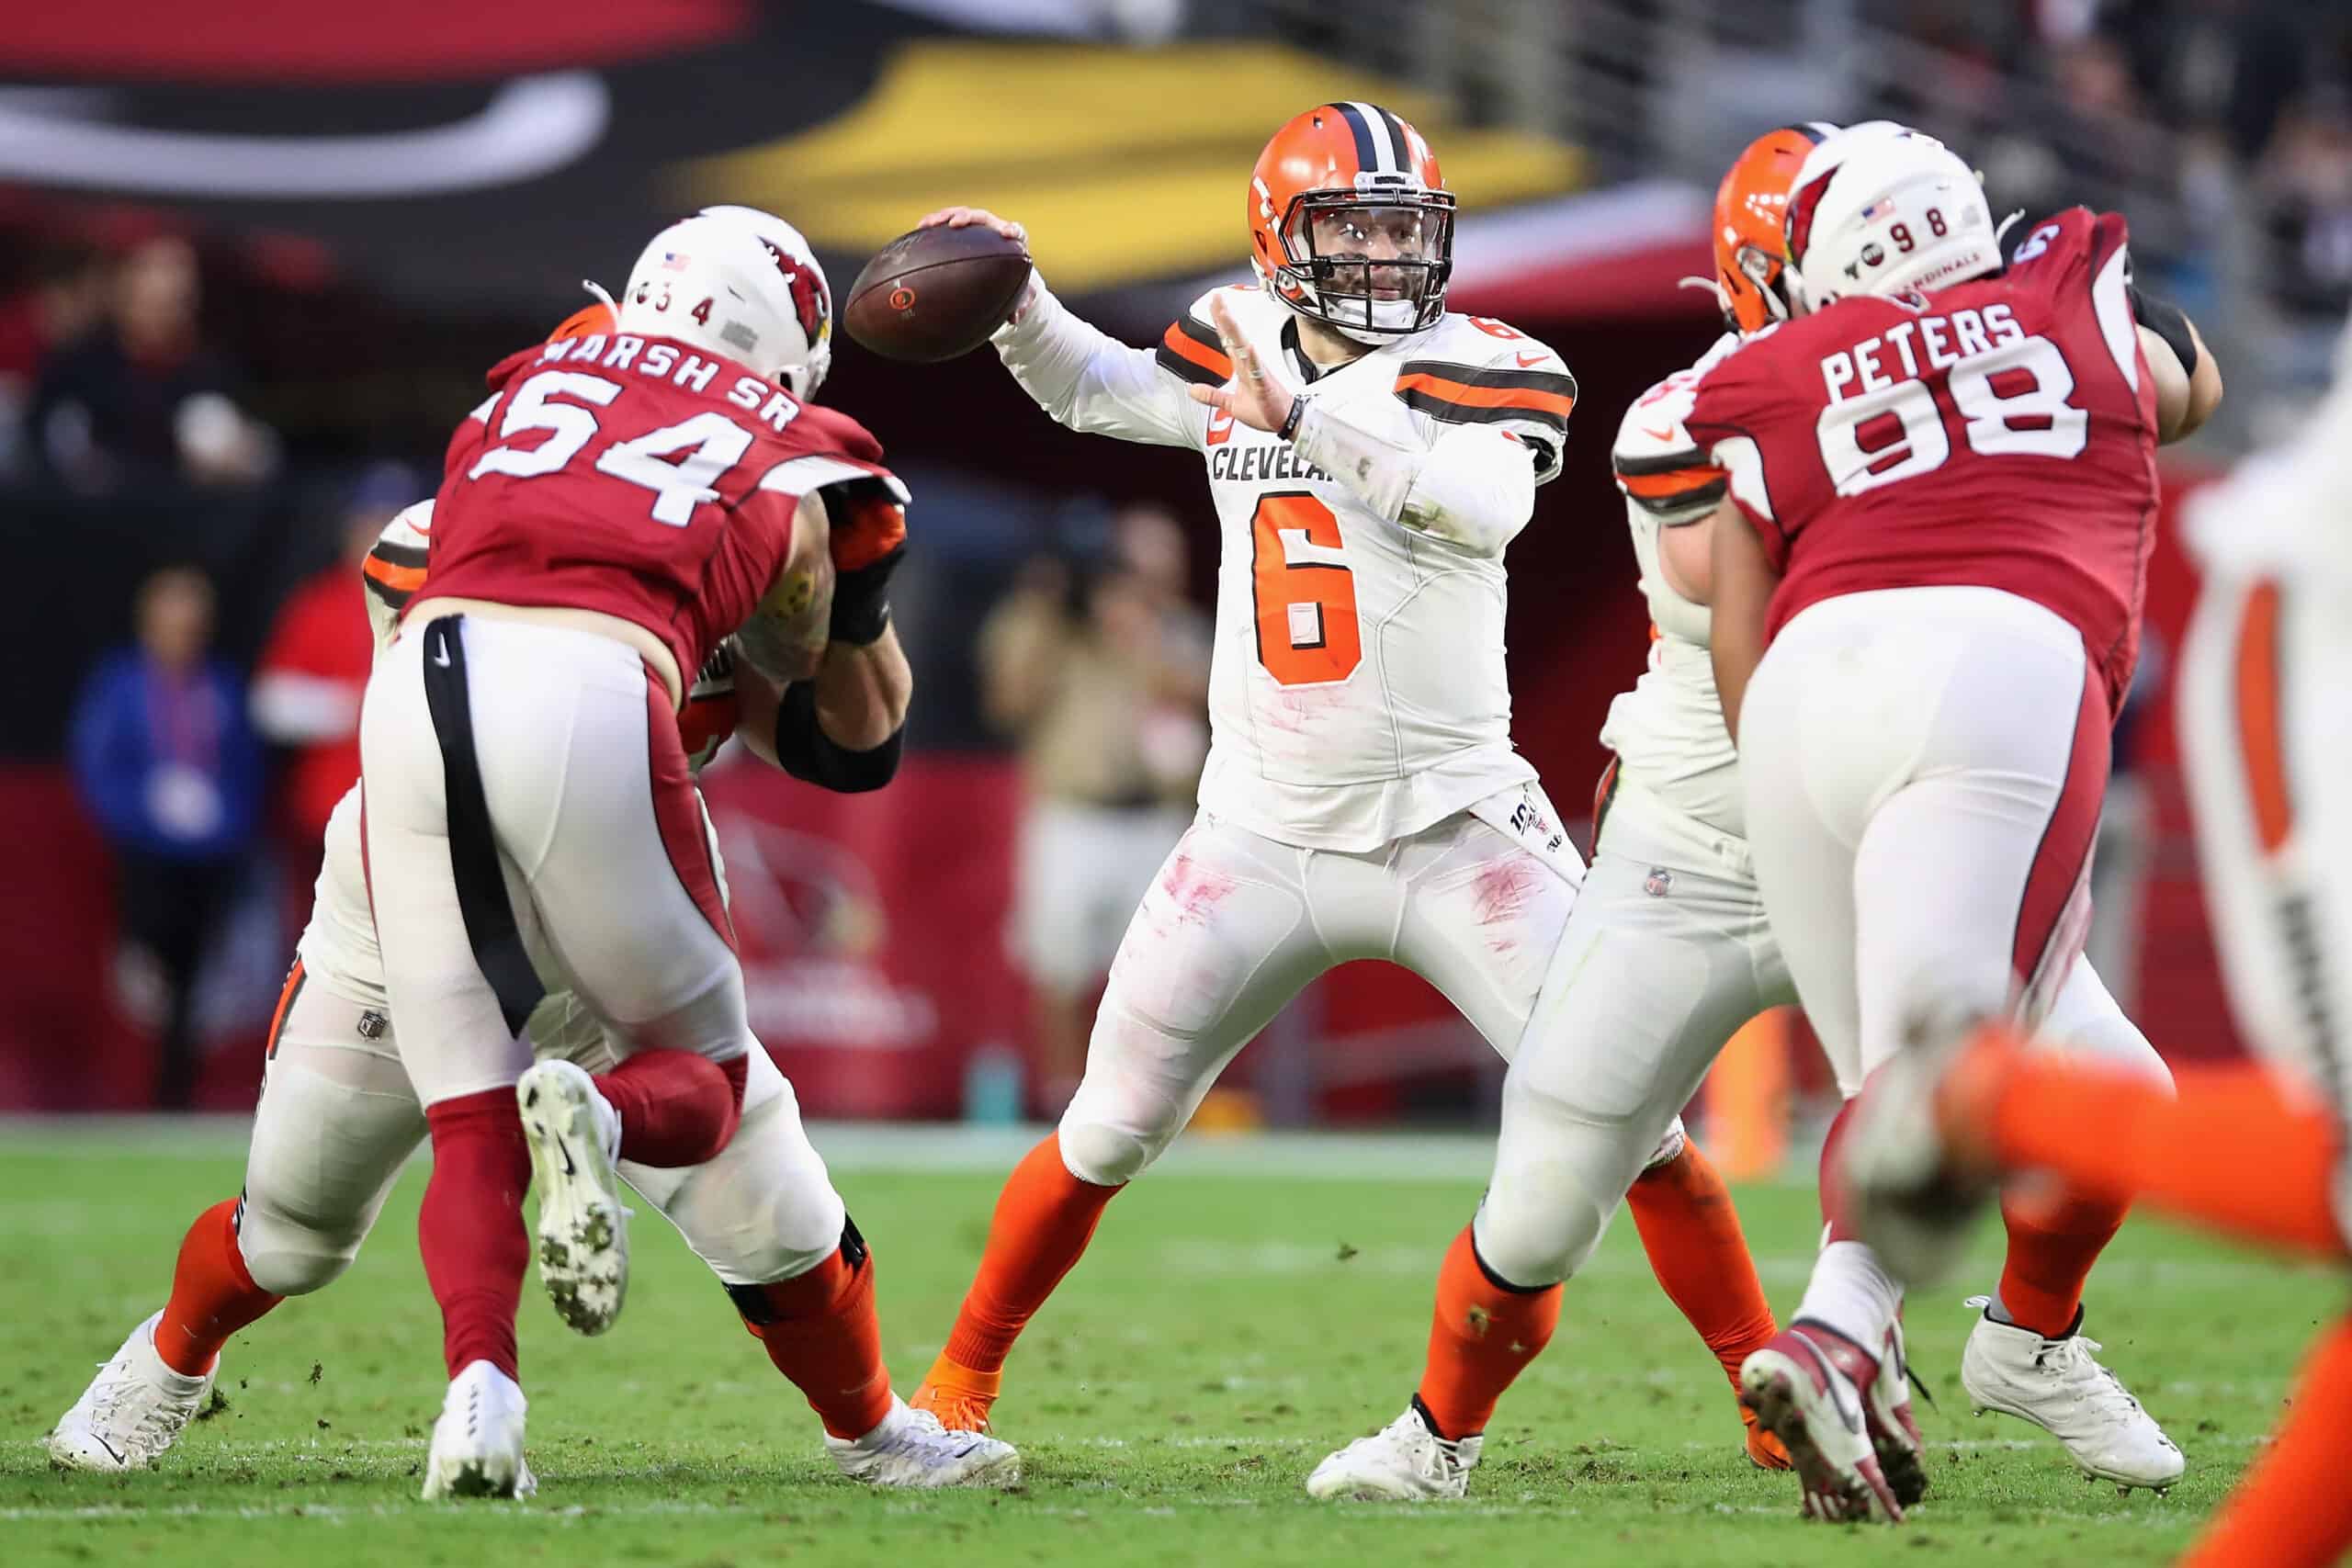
166	763
139	398
1103	685
313	668
64	296
2306	179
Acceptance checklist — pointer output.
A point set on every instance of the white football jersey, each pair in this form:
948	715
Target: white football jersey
1667	733
1357	693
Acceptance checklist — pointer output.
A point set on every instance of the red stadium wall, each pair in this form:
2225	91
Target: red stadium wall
871	926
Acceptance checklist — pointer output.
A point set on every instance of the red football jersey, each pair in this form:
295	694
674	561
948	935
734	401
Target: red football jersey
638	478
2000	433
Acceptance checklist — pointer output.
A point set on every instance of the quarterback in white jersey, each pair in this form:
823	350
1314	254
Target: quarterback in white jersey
1370	455
1667	952
339	1116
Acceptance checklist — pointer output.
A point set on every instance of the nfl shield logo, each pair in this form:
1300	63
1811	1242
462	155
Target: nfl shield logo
1659	883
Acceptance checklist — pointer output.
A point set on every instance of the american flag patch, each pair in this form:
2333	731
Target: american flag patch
675	261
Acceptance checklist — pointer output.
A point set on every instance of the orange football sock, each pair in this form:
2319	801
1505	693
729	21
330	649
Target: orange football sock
2229	1148
2053	1244
1485	1333
1700	1256
2292	1509
820	1330
1043	1219
212	1295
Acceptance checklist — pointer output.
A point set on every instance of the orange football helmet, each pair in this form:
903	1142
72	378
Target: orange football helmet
1372	182
589	320
1751	251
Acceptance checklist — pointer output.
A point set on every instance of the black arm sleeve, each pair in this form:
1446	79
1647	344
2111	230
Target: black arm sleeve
806	753
2167	321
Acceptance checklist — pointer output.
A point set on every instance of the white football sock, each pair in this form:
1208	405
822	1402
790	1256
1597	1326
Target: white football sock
1851	1293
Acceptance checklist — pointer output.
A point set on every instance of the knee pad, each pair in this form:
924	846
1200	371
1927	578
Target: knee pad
330	1135
1105	1155
766	1209
1541	1228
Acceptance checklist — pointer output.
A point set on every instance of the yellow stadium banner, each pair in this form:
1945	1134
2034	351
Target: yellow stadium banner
1125	165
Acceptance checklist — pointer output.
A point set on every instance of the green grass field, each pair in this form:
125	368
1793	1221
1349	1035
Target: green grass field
1244	1309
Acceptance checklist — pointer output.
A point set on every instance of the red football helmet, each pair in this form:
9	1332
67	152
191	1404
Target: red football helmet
1351	223
1752	254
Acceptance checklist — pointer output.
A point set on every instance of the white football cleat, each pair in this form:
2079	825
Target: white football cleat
575	1137
133	1410
478	1441
1808	1387
910	1448
1405	1461
2059	1385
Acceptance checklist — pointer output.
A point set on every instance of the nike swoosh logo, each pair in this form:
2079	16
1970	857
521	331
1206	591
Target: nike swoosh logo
1656	434
531	126
113	1452
1527	359
441	657
565	1150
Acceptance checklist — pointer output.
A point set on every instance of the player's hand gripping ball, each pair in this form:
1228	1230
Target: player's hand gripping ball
942	289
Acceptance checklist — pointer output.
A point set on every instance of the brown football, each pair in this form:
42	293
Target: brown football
936	293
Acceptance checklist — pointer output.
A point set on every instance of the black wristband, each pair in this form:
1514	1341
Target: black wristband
1289	431
2168	321
806	753
862	601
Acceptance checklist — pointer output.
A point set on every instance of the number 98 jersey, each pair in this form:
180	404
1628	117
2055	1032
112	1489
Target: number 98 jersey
2000	432
634	477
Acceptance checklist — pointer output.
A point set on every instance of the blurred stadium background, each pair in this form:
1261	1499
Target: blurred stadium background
251	273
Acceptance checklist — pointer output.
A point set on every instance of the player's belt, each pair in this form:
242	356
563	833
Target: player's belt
1603	793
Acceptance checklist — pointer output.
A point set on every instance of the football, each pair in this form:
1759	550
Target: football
935	293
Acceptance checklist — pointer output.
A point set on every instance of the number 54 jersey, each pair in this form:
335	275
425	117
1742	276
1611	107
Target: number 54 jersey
1357	693
2000	433
634	477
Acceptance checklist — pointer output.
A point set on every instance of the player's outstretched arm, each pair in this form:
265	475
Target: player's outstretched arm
1084	378
1741	595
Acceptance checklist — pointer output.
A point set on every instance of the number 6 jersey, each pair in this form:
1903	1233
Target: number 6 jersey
2000	433
636	477
1357	692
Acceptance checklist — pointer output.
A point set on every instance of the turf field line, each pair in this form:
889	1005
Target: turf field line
1407	1158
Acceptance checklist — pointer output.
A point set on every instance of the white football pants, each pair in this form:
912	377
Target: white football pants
591	874
1923	770
2266	712
1666	954
1237	924
338	1118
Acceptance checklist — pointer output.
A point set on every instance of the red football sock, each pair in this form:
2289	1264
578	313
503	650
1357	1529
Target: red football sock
1700	1256
1483	1334
2053	1244
470	1229
820	1330
2229	1148
2292	1509
212	1294
676	1108
1831	1183
1043	1219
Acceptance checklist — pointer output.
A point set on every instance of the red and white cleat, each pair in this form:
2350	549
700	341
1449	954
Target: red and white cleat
1809	1387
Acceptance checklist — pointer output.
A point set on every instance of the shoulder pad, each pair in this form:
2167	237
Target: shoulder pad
1190	349
394	568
